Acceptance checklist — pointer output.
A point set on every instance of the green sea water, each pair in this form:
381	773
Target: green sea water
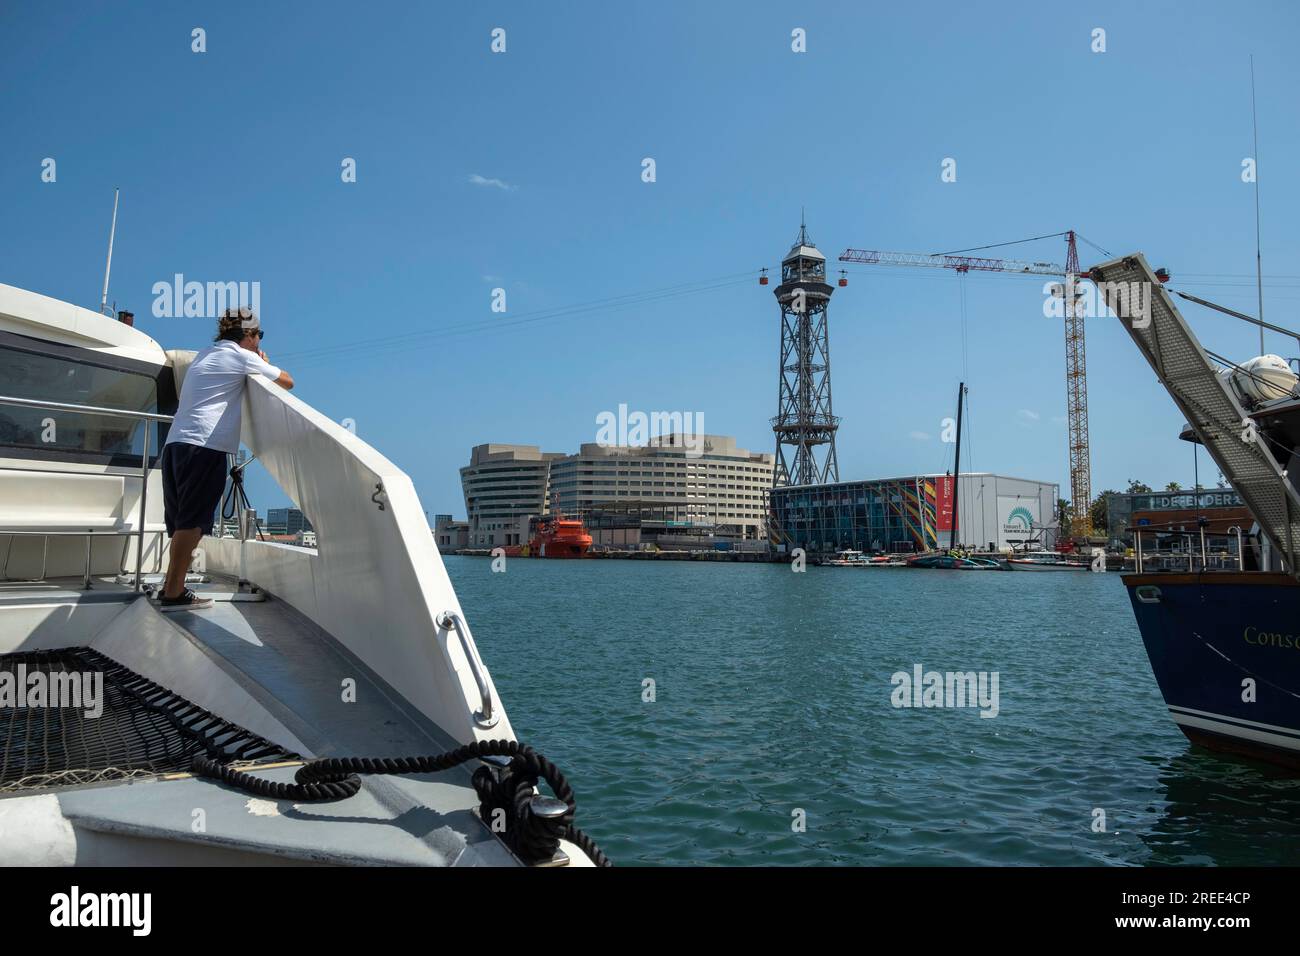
772	706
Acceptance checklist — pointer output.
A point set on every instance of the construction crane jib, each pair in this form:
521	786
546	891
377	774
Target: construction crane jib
1076	366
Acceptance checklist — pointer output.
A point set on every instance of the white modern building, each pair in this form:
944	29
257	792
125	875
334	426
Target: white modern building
711	485
699	491
504	485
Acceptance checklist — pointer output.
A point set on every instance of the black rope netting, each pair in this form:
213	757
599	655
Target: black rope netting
73	716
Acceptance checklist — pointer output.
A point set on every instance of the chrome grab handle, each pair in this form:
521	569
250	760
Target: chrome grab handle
451	621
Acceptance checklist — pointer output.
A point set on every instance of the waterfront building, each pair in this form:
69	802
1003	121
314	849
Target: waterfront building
1180	513
504	485
676	491
671	492
901	515
302	539
286	521
450	535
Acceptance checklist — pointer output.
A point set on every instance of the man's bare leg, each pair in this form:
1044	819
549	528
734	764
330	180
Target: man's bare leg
178	562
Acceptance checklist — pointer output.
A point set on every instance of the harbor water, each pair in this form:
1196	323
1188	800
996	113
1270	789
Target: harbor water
770	733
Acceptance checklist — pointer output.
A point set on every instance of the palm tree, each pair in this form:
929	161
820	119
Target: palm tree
1098	512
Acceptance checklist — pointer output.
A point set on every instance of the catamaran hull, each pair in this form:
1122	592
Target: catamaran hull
1043	566
1225	650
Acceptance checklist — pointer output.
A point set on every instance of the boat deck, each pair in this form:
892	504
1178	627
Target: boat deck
261	665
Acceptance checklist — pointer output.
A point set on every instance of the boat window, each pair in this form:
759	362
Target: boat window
30	368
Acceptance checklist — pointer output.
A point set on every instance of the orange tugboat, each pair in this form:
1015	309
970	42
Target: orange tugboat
553	536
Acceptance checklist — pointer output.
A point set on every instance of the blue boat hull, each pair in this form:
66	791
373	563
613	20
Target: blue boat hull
1217	640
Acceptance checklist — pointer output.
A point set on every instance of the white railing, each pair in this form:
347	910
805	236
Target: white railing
1194	554
139	533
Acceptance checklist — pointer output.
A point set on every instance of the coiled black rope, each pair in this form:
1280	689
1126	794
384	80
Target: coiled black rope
234	499
505	797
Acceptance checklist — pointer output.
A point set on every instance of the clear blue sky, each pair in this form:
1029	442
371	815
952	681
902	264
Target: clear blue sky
229	164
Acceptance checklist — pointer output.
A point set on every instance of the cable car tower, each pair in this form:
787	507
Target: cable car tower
804	420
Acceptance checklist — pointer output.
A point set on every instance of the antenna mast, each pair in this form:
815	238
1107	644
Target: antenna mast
108	266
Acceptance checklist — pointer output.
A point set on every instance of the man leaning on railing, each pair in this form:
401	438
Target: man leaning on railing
204	431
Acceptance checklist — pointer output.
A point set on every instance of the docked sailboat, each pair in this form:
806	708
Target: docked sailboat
206	739
955	559
951	562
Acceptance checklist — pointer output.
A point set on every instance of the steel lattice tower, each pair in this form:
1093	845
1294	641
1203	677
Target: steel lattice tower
804	420
1076	393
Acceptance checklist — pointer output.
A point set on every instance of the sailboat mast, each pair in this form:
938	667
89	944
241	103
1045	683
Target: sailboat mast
956	468
1259	263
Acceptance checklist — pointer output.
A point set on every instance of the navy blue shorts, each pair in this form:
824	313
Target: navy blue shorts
193	480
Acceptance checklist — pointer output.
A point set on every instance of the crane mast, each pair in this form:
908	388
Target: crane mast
1076	396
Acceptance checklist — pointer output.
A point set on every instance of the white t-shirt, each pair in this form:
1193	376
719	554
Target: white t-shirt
211	401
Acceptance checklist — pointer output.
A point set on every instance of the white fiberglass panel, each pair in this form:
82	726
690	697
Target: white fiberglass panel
376	583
